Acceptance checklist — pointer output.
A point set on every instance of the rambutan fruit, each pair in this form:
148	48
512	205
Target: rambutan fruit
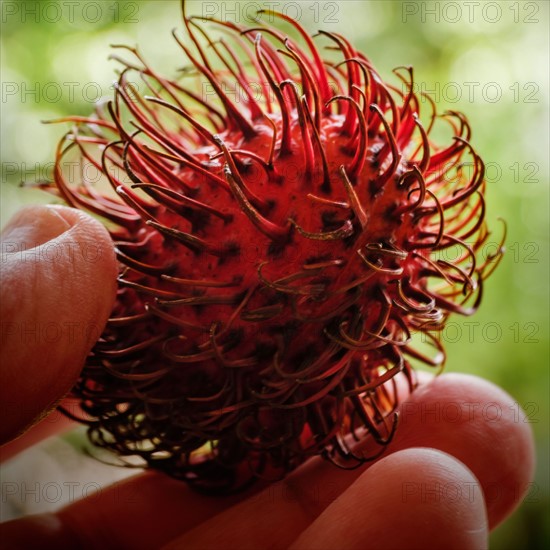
281	222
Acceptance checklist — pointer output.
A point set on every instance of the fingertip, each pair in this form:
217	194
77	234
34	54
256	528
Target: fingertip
90	258
59	284
480	424
415	498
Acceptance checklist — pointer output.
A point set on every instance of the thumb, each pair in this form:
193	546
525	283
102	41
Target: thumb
58	287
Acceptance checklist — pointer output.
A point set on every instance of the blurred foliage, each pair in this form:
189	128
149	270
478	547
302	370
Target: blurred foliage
487	59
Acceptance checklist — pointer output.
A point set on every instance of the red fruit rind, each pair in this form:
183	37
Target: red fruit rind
282	230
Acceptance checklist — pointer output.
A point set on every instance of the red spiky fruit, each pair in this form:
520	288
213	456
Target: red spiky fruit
278	249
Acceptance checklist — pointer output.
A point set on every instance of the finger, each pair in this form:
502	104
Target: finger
139	513
59	284
54	423
295	501
481	425
127	510
498	451
416	498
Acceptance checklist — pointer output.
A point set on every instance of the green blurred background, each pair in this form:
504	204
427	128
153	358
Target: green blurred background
487	59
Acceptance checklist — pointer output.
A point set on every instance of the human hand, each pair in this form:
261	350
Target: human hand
431	489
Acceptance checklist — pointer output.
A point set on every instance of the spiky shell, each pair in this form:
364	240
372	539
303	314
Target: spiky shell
281	222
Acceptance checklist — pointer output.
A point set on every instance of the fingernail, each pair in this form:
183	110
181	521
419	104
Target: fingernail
31	227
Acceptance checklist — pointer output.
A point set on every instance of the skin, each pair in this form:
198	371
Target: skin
457	434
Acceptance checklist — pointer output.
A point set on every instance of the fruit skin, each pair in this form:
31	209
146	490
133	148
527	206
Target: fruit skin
279	246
